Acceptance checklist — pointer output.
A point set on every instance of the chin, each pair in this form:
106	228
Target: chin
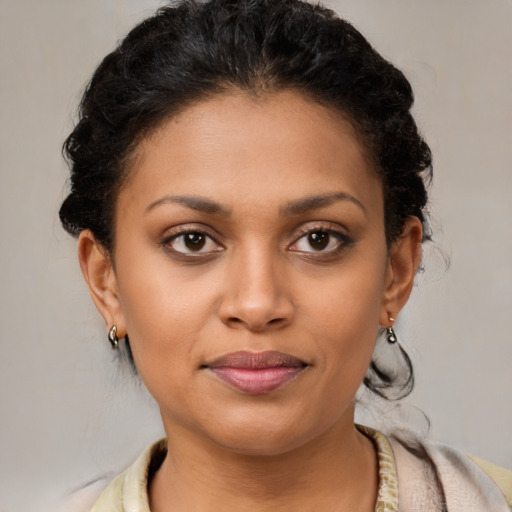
268	436
263	445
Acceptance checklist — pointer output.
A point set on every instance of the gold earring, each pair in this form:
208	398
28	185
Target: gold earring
112	337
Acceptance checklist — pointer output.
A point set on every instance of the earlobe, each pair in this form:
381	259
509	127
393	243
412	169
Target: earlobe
404	261
100	277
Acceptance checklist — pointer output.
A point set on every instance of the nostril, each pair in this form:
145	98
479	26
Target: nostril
236	322
256	315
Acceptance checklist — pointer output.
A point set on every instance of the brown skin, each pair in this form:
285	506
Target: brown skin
256	284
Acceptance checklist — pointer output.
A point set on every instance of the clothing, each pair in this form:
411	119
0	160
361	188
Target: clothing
413	476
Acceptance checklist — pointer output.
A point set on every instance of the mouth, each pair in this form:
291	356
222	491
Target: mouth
256	373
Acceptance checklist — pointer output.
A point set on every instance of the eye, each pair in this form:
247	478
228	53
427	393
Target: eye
320	241
190	242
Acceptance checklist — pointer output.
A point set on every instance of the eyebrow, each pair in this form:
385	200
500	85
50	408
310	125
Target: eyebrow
316	202
200	204
296	207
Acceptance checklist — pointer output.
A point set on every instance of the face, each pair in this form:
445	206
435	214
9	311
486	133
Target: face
251	270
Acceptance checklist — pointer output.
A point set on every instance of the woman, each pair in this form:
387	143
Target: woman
248	187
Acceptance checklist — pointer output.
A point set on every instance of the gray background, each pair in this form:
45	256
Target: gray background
70	414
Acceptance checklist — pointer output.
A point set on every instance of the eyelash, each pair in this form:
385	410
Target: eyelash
343	240
182	231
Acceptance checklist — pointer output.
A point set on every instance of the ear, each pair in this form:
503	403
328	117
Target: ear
404	260
100	277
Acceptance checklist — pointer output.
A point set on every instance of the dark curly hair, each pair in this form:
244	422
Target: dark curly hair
192	50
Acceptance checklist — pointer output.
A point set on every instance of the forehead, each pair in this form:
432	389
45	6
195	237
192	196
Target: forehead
237	145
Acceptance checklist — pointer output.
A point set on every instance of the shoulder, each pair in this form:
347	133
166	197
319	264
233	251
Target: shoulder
124	493
82	499
461	483
502	477
111	499
128	491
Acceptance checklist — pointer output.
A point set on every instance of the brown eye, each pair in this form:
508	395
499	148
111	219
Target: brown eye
193	242
319	240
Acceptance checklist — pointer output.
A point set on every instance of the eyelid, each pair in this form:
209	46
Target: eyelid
184	229
330	228
311	227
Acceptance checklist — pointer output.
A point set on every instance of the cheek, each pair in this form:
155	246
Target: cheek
164	327
344	323
164	309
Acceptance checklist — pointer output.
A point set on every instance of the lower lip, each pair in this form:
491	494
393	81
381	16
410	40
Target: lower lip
256	381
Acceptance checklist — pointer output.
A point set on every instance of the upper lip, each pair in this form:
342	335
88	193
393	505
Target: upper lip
256	360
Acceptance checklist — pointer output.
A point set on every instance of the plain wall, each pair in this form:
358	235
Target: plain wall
71	414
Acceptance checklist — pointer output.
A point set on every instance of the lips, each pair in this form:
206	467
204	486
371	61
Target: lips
256	373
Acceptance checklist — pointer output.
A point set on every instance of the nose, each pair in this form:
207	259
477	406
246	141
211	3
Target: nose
256	296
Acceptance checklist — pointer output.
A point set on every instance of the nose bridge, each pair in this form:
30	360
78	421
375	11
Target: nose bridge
256	296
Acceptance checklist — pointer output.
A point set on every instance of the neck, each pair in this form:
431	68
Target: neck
335	471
